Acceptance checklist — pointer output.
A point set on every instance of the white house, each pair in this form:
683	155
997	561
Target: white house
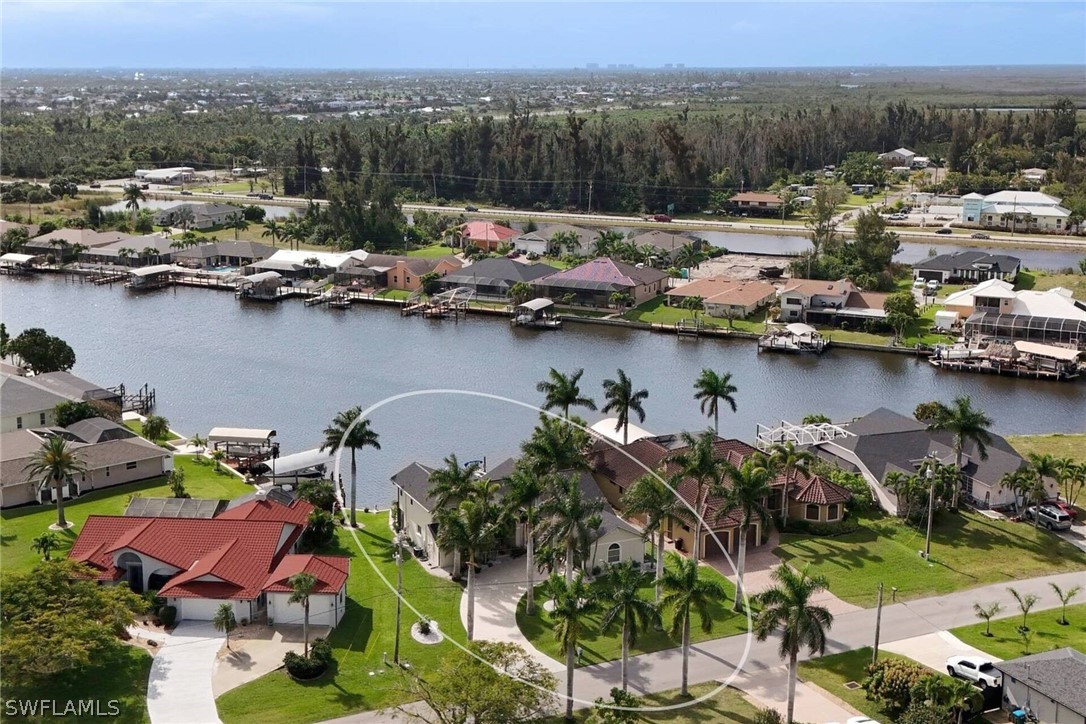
1047	685
897	157
1022	211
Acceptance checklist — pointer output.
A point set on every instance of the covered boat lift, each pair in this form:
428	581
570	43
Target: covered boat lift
243	444
15	263
151	277
537	313
795	337
305	465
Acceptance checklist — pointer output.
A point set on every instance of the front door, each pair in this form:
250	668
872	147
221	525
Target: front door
135	577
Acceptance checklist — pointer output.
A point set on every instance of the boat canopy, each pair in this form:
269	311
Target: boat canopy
304	463
261	277
240	435
13	258
150	271
1047	350
536	305
800	329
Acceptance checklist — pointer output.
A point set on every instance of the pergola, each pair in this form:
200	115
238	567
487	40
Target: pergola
811	434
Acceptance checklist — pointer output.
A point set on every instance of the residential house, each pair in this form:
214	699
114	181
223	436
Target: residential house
666	245
6	226
754	203
203	216
111	253
994	309
727	298
1047	686
532	242
897	157
486	235
884	441
243	556
824	302
586	238
30	401
113	455
495	277
65	241
1033	175
404	272
593	282
223	254
302	264
616	468
967	266
1023	211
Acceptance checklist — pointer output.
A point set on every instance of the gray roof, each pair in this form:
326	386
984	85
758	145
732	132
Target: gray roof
73	387
960	260
415	481
243	249
20	395
497	272
663	240
587	237
99	429
17	447
1057	674
159	243
199	209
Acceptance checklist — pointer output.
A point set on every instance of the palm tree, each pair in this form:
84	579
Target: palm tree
45	544
648	496
607	241
712	388
967	424
273	229
56	461
224	620
1064	596
1025	603
622	603
574	602
697	462
525	487
565	519
747	491
786	458
148	252
472	526
556	445
156	428
563	391
987	613
1042	466
302	586
184	216
452	483
343	432
132	196
1018	482
61	244
961	696
622	398
787	607
238	224
689	256
687	593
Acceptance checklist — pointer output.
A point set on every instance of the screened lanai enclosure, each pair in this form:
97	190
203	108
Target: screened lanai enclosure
1047	330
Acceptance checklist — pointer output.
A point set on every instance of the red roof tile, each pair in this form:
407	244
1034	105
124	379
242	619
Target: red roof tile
820	491
330	572
486	231
297	513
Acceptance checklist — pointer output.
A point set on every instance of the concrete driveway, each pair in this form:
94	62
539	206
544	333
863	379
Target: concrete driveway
258	650
179	687
932	650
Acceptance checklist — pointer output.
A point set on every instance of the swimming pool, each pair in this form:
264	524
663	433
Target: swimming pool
224	269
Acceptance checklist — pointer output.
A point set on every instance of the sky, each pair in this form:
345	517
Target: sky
558	34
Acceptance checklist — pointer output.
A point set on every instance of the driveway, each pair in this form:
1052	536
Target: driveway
932	650
258	650
179	687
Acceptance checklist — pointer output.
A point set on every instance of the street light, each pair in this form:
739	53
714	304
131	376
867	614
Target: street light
398	556
930	474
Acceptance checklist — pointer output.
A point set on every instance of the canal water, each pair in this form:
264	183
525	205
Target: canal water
217	361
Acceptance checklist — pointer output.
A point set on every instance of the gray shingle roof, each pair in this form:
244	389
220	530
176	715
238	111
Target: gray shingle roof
966	259
1058	674
497	272
415	481
99	429
20	395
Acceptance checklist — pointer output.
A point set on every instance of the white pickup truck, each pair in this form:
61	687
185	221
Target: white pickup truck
974	668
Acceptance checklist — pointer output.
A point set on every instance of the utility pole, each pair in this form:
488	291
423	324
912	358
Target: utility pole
399	597
590	197
931	505
878	625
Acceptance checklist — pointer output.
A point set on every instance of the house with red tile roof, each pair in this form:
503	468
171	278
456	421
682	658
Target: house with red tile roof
593	282
809	497
243	557
486	235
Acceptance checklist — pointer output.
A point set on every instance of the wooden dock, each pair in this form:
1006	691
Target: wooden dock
141	401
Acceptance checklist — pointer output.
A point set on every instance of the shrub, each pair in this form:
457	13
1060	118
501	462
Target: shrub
424	626
320	650
167	615
842	527
602	714
890	682
300	667
768	716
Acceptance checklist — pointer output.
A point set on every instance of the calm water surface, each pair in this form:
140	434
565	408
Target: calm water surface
217	361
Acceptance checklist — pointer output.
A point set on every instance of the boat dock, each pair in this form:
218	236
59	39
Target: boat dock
1018	359
794	338
450	303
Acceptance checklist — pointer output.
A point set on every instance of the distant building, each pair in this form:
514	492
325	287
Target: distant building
994	309
727	298
968	266
172	176
486	235
495	277
755	203
665	244
27	402
219	254
1034	175
824	302
204	216
62	242
897	157
1023	211
403	272
593	282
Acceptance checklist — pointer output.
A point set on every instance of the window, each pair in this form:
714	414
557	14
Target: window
130	466
418	530
395	279
614	553
107	472
794	301
42	419
811	512
18	423
833	512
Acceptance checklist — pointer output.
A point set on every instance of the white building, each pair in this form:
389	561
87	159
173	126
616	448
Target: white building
1023	211
898	157
174	175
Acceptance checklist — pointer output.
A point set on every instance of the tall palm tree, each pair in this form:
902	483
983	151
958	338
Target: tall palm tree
56	461
696	461
1065	596
273	229
574	601
556	445
452	483
341	434
689	256
1042	466
607	241
1019	482
563	391
711	389
968	425
620	596
745	491
787	459
565	523
238	224
648	496
133	195
525	487
787	607
687	593
472	526
622	398
148	252
183	217
302	586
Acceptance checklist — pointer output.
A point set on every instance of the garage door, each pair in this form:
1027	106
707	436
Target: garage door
199	609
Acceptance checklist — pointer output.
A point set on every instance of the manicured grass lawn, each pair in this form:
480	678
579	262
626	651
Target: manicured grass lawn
432	251
21	525
599	647
366	632
393	294
136	426
657	311
121	676
1043	281
833	672
967	550
1048	634
729	706
1062	446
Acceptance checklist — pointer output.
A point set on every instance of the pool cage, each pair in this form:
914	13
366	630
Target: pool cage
1047	330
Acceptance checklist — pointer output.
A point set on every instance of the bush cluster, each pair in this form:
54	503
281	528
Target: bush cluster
301	667
891	683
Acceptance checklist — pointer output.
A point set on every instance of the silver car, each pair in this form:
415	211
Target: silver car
1049	516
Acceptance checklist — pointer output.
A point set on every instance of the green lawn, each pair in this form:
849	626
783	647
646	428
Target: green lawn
1062	446
1043	281
136	426
657	311
833	672
599	647
729	706
19	526
393	294
967	550
366	632
432	251
1005	643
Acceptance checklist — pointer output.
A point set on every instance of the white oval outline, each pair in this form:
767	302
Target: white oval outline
364	414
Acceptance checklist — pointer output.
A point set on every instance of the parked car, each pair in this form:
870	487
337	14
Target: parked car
979	235
513	254
974	668
944	230
186	193
217	193
919	284
932	285
266	197
1065	507
471	207
1049	516
96	185
145	186
661	217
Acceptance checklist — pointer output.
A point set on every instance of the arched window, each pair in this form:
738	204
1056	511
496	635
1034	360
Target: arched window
614	553
811	512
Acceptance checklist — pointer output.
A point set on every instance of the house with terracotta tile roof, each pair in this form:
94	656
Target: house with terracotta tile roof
486	235
817	301
755	203
809	498
723	297
593	282
243	556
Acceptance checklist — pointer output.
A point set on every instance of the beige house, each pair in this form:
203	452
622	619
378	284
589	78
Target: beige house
27	402
593	282
726	298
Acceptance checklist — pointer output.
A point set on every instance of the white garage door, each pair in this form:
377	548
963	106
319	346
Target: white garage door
199	609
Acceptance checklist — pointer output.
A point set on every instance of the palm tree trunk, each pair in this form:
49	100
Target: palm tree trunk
626	431
686	655
742	562
784	501
305	625
58	489
354	490
957	475
625	654
471	595
792	657
529	605
716	419
659	562
569	562
570	654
